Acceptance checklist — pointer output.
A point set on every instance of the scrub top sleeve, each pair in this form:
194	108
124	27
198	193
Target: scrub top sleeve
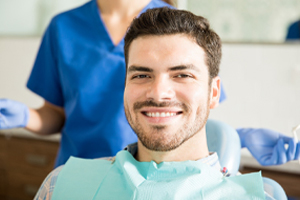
44	78
293	31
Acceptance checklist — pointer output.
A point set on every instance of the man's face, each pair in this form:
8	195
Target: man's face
167	95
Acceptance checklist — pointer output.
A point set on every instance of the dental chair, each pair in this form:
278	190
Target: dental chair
224	140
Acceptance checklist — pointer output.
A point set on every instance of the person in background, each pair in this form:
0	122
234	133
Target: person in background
171	84
80	57
79	71
293	31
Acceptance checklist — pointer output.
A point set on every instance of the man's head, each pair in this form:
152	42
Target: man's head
172	59
166	21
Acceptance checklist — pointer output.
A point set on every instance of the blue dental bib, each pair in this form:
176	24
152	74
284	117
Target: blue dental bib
127	178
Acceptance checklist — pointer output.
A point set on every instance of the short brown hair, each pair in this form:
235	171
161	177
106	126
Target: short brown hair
167	21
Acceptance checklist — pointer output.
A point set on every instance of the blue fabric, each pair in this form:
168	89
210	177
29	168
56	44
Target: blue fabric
79	68
294	31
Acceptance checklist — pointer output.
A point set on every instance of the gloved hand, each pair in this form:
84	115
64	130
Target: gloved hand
267	146
13	114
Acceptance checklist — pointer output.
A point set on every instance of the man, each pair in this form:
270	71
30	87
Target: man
172	61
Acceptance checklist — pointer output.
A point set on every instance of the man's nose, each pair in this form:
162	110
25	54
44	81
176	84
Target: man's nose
161	89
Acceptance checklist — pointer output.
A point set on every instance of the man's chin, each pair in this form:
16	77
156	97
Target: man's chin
160	144
160	137
159	128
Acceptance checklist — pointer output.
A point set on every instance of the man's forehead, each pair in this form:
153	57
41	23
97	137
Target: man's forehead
168	51
164	37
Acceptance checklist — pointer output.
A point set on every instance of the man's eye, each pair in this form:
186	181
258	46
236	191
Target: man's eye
140	76
183	76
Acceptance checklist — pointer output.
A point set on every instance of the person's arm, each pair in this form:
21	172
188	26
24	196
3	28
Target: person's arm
44	121
268	146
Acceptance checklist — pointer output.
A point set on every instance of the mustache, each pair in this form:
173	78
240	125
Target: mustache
151	103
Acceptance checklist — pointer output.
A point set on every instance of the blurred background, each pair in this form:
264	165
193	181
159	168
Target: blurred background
260	71
235	21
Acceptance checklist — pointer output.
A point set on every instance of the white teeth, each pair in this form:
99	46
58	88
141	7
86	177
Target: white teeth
158	114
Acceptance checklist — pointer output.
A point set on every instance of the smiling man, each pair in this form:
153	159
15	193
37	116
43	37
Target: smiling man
172	61
168	94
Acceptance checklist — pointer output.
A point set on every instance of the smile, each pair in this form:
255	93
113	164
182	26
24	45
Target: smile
161	114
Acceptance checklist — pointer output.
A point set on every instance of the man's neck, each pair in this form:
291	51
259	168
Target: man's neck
193	149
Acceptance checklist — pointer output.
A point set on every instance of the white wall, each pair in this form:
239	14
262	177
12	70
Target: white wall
31	17
16	60
263	86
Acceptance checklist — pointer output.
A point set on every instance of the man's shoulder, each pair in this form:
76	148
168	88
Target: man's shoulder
47	187
75	163
54	174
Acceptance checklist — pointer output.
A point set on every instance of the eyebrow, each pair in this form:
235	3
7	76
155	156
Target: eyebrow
183	67
133	68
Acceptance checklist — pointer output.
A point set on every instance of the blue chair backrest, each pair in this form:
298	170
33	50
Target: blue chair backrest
224	140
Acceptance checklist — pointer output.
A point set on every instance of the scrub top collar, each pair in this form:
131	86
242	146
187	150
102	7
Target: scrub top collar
102	27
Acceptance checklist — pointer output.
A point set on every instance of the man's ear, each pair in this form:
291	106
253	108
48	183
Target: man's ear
215	92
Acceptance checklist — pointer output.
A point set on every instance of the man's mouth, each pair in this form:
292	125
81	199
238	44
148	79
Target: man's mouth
161	114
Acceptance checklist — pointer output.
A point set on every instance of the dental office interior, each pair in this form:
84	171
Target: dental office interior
260	71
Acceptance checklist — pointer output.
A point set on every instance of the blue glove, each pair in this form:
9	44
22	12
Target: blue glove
13	114
268	147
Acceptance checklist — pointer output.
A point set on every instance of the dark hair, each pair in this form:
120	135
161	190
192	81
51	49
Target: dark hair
166	21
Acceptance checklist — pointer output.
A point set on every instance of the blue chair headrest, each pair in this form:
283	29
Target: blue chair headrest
224	140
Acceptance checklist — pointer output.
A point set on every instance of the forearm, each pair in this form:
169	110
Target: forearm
46	120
